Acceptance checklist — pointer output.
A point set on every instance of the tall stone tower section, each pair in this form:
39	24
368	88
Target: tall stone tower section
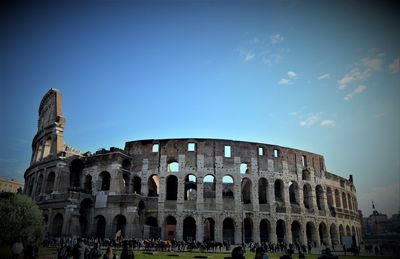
49	139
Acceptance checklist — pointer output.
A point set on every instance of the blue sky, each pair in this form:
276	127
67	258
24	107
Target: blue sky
321	77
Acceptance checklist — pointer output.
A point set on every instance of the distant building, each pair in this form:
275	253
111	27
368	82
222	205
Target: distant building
10	185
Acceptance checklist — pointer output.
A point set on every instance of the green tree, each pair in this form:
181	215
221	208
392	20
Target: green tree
20	218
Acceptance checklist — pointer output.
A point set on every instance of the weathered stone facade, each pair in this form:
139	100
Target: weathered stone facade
202	189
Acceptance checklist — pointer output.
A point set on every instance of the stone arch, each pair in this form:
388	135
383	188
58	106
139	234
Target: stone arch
311	233
153	227
39	151
348	231
227	187
47	147
209	229
126	164
151	221
173	167
262	191
50	182
172	188
119	224
306	175
344	200
294	192
323	234
209	186
307	196
319	195
153	185
189	229
349	202
265	230
31	183
100	226
75	173
228	230
296	232
280	230
39	185
87	185
246	190
137	184
341	233
170	227
190	187
334	235
279	191
57	225
337	199
105	179
244	168
84	216
329	196
248	230
125	181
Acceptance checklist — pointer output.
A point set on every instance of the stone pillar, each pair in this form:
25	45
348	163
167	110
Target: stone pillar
200	190
218	229
271	195
256	229
239	230
288	232
273	237
145	175
179	228
199	229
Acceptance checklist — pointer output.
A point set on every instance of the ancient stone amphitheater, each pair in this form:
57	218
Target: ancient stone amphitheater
187	189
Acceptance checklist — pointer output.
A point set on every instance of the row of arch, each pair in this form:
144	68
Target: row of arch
310	232
43	149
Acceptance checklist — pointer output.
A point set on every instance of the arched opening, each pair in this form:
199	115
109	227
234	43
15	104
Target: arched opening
341	234
30	188
137	185
307	196
125	180
151	221
228	230
75	171
246	191
100	226
170	228
119	226
209	229
47	148
265	230
172	187
296	232
88	184
349	201
190	187
306	175
154	230
39	152
227	187
293	193
354	235
280	231
323	234
311	233
173	167
50	182
334	235
329	196
84	217
154	186
244	168
105	179
279	194
337	199
248	230
57	225
348	232
189	229
262	191
344	200
126	165
209	187
320	197
39	185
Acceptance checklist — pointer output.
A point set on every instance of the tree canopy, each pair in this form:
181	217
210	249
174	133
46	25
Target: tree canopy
20	219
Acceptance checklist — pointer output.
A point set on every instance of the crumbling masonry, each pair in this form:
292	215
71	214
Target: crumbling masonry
187	189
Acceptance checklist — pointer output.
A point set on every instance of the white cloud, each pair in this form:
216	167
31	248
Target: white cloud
328	123
324	76
358	90
276	38
291	74
310	120
374	64
247	54
394	67
354	75
285	81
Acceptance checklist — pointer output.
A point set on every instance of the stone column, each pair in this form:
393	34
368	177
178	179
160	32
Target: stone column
199	229
179	228
273	237
200	190
288	232
271	195
256	229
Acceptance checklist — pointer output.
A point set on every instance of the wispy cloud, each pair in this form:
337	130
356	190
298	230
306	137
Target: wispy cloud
324	77
313	119
291	74
247	54
394	67
285	81
360	89
362	70
310	120
276	38
328	123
